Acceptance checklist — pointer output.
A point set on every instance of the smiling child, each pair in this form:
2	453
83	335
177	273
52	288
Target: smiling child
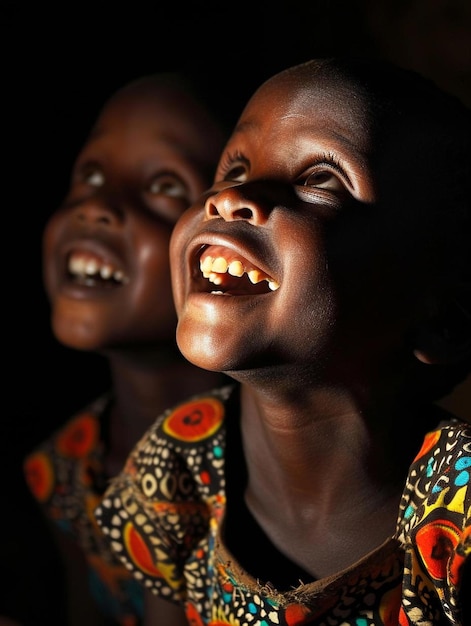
327	271
151	152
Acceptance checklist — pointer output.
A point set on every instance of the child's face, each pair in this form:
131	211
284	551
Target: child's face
106	266
297	206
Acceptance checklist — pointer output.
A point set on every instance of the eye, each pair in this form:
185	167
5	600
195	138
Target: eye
238	174
233	168
324	179
94	177
169	185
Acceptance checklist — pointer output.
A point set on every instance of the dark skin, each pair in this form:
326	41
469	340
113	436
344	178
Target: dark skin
305	204
151	153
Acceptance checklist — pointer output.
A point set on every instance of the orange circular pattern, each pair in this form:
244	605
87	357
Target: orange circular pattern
428	443
196	420
192	616
436	543
296	613
79	437
139	551
39	475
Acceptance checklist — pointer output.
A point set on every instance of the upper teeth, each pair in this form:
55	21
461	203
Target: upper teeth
83	265
213	268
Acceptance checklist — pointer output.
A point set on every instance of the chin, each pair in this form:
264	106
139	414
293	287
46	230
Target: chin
201	349
224	358
82	344
76	337
196	355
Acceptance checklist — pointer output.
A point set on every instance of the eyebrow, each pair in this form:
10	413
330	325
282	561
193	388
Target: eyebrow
247	124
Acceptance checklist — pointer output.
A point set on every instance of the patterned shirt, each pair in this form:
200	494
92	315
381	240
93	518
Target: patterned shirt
164	517
66	475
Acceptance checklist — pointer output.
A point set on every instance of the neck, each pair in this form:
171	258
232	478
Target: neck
335	468
144	385
301	448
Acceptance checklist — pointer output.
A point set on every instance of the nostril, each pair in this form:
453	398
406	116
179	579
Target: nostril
103	219
227	211
211	210
243	214
242	202
98	217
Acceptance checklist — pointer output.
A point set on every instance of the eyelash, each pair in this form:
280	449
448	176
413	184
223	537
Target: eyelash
329	159
228	160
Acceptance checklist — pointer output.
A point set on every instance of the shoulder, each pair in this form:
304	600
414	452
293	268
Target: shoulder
181	456
191	422
438	484
52	462
157	510
435	521
184	446
443	446
78	432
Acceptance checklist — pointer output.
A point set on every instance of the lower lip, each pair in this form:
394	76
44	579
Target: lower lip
86	290
204	299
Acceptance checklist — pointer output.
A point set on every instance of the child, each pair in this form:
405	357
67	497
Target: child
152	151
327	271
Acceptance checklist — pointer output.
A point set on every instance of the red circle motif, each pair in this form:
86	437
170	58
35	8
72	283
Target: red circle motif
79	437
39	476
436	543
194	421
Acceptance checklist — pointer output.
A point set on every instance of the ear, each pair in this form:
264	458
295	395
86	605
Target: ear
445	340
436	350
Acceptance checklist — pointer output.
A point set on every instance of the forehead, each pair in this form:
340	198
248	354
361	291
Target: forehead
367	117
149	119
293	109
151	109
292	122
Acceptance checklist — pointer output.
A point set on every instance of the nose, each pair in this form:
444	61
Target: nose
96	212
238	203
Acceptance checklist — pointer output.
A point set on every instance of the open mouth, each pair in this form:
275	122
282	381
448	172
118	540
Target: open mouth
86	268
232	274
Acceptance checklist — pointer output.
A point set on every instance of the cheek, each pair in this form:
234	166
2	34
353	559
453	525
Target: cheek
152	270
305	310
188	224
51	233
305	318
150	302
50	241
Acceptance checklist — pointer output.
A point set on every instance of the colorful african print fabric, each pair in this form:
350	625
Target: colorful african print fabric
164	518
66	476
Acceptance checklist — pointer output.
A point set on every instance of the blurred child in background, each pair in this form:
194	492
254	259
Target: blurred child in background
150	154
